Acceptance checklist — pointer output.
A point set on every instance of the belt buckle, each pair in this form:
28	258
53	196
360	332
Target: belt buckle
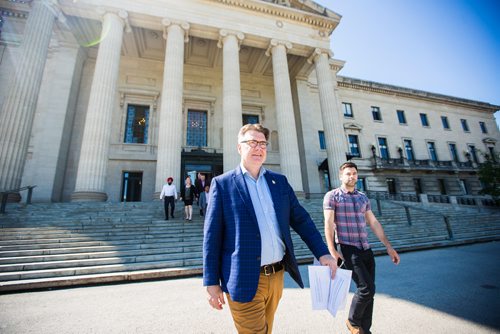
269	273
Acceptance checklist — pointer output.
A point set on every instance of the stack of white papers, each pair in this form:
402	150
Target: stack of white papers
328	294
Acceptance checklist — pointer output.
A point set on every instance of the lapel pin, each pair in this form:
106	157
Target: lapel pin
274	182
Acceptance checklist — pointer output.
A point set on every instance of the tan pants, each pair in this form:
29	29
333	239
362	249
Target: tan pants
257	316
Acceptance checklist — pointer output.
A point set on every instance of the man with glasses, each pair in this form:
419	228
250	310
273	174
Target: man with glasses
247	244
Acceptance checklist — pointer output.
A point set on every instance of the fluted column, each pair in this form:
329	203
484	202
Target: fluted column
17	113
231	96
287	131
93	163
330	113
170	123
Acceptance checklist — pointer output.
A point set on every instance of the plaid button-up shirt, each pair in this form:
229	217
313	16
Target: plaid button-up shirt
350	209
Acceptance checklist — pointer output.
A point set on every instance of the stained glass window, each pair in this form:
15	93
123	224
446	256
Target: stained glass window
196	134
137	125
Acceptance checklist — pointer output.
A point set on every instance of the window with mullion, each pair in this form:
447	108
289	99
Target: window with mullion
137	124
432	151
384	150
354	146
250	119
347	107
196	132
409	149
377	115
473	153
453	152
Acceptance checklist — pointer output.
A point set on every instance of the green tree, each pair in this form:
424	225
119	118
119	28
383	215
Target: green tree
489	175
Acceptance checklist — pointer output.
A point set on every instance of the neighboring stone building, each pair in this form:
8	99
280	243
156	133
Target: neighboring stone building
102	100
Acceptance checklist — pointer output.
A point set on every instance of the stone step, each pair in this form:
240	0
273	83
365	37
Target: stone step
117	252
81	263
91	270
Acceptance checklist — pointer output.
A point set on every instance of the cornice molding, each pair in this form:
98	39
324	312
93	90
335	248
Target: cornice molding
293	14
375	87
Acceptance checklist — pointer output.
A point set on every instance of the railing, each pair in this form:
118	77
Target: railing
463	200
435	198
425	164
407	208
438	198
419	163
395	197
5	196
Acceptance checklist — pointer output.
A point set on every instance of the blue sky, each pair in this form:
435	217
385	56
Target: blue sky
449	47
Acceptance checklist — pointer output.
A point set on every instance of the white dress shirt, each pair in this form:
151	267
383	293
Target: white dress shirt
168	190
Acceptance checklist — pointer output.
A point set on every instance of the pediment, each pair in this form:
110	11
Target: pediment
489	140
353	126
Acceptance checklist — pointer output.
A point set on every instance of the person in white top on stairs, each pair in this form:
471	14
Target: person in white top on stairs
169	196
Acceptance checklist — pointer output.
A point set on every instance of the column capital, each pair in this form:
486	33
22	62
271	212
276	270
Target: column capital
318	52
167	23
121	14
223	33
276	42
53	6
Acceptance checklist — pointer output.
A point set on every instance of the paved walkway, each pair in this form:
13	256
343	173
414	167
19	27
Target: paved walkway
450	290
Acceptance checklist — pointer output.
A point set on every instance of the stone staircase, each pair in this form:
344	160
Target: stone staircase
65	244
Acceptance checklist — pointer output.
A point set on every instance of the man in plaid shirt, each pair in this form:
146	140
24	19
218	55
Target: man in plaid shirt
347	212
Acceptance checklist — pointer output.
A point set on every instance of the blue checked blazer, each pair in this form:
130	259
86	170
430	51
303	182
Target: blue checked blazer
232	244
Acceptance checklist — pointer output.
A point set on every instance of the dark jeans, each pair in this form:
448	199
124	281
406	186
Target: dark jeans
362	264
169	200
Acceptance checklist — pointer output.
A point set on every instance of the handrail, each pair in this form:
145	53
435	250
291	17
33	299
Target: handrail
446	218
5	196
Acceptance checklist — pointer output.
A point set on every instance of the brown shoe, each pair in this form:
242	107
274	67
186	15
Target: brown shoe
354	329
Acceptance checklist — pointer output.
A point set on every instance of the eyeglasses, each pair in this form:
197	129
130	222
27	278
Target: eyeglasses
254	143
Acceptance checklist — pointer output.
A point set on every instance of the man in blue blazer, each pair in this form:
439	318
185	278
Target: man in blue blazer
247	241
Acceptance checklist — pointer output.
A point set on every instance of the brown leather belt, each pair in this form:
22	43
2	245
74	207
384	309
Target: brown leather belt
272	268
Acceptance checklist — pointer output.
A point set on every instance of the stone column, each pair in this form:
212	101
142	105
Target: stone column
91	176
18	111
287	132
231	96
170	117
330	113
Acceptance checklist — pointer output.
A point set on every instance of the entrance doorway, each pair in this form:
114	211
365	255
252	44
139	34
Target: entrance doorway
199	161
131	187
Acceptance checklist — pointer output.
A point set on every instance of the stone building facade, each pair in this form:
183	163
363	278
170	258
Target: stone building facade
102	100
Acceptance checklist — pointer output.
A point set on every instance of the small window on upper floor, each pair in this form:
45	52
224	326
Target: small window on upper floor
250	119
482	125
322	142
424	119
401	116
347	107
446	124
465	126
377	115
